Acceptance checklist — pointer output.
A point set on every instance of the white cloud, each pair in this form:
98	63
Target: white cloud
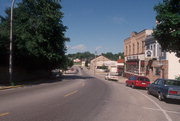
79	47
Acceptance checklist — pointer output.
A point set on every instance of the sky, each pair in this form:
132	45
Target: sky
102	25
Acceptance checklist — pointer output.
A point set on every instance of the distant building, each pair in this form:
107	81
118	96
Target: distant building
101	63
160	64
120	66
77	60
83	63
134	53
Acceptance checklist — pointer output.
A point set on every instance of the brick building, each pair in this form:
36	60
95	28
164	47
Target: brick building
134	53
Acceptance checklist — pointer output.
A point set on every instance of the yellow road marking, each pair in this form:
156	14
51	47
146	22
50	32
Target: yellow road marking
71	93
4	114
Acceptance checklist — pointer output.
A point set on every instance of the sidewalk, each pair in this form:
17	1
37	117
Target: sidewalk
9	87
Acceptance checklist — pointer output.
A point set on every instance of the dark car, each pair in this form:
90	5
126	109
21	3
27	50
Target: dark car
138	81
165	88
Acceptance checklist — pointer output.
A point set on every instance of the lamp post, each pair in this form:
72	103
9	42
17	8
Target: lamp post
10	45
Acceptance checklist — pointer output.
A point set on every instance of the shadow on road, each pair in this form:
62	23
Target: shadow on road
50	80
73	77
172	101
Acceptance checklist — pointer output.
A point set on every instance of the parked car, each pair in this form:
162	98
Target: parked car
56	73
112	76
138	81
165	88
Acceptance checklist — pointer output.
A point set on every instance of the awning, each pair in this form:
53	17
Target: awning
132	62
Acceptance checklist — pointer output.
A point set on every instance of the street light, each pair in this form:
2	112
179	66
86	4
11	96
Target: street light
10	45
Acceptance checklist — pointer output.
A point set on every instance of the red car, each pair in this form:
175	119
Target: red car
138	81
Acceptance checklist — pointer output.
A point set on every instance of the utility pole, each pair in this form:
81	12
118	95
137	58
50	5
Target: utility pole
10	45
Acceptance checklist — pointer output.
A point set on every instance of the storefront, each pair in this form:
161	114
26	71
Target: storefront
134	67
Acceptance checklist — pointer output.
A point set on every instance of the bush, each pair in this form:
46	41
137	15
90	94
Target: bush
178	77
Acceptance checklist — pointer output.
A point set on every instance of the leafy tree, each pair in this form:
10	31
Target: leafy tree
86	63
38	35
82	56
167	31
67	63
89	56
178	77
112	56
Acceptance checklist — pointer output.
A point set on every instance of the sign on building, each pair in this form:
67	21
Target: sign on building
148	54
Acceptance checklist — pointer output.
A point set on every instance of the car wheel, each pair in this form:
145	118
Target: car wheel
148	92
133	86
160	96
126	84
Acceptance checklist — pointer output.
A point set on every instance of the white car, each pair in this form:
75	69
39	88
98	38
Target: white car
112	76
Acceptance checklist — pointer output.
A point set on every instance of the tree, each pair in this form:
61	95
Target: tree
38	32
178	77
167	31
67	63
112	56
82	56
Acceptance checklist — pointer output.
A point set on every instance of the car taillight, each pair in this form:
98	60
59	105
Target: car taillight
173	92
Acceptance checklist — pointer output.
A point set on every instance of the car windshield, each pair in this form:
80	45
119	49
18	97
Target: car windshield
172	82
133	78
144	79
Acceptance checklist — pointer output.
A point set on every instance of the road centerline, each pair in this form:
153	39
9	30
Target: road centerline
4	114
70	93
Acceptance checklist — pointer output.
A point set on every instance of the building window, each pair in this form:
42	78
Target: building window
154	50
129	49
158	71
133	49
142	46
137	47
126	50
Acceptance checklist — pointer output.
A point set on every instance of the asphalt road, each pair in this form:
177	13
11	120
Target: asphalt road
82	97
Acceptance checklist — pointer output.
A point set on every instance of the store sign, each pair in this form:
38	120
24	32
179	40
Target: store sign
134	57
148	53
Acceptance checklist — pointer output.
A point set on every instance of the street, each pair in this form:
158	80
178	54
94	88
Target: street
82	97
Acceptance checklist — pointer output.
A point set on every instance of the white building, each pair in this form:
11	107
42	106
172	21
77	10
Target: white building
160	64
100	63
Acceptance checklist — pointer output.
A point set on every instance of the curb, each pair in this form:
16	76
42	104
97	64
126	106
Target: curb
10	87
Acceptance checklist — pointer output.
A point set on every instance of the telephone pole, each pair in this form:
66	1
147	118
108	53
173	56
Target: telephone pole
11	45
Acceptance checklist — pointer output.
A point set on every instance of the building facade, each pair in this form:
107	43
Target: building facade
134	53
158	63
98	62
103	64
120	66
